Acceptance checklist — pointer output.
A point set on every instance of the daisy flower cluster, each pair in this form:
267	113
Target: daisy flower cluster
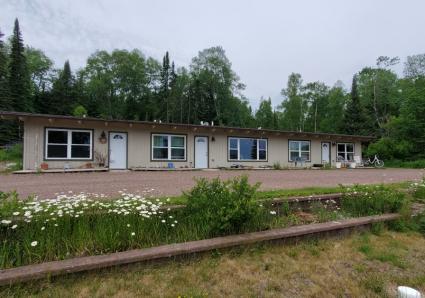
418	189
75	206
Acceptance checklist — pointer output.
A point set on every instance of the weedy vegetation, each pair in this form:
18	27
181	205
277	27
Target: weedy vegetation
38	230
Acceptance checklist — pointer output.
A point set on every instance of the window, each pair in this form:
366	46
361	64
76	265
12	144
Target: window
247	149
68	144
345	151
168	147
299	150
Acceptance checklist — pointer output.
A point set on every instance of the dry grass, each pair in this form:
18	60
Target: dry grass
349	267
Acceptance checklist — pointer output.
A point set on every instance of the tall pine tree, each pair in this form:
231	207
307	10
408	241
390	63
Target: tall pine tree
165	86
5	102
353	117
63	92
19	80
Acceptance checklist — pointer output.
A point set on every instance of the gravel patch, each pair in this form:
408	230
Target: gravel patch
174	182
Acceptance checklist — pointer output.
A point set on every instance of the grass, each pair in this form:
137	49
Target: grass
12	155
35	231
414	164
315	268
77	225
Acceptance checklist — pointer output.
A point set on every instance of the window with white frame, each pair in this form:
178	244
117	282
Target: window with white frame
345	151
299	150
247	149
68	144
168	147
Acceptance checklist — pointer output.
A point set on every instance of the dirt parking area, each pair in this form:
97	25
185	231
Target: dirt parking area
172	183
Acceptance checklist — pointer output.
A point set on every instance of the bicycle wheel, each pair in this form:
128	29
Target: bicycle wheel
379	163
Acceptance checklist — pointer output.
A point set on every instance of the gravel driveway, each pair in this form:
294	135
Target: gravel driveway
172	183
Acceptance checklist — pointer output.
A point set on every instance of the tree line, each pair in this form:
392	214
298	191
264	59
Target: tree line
124	84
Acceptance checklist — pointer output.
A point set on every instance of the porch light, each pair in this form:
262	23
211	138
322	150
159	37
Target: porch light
102	138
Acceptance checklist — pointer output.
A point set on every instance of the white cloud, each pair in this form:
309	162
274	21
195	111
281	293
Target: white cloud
265	40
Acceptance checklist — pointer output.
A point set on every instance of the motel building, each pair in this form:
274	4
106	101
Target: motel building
66	142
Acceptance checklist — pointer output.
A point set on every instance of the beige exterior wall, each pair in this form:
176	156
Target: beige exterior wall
139	145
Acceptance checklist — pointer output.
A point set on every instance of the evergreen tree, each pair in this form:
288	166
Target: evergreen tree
62	93
353	116
165	86
5	102
8	130
19	80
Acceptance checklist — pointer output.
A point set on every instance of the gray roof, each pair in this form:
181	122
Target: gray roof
22	116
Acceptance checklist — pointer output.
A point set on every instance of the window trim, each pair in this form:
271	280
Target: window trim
238	148
345	150
299	151
68	144
169	135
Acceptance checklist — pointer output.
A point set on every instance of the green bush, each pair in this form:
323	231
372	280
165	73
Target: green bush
362	200
13	154
388	149
277	166
223	206
413	164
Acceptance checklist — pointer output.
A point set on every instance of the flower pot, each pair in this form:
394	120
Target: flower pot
338	165
44	166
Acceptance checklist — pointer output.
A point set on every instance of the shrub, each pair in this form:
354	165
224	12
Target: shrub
14	153
413	164
223	206
277	166
387	148
418	190
372	200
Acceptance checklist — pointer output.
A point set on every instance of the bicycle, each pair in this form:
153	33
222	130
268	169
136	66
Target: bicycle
376	162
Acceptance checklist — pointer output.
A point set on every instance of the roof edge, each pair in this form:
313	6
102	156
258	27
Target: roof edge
22	115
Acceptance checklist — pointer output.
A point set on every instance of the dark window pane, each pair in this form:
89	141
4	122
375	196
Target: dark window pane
160	153
233	143
78	151
305	146
177	153
58	136
262	144
350	156
262	154
350	148
56	151
294	155
341	147
160	141
177	141
305	155
294	145
233	154
81	137
248	149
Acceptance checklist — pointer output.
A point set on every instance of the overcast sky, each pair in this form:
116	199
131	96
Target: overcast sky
326	40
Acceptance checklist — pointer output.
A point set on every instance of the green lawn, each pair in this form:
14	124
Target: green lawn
315	268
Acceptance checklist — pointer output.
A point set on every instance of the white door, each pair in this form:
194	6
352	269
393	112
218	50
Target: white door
117	150
201	152
326	152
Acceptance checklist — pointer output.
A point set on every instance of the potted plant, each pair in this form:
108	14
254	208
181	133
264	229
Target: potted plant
44	166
